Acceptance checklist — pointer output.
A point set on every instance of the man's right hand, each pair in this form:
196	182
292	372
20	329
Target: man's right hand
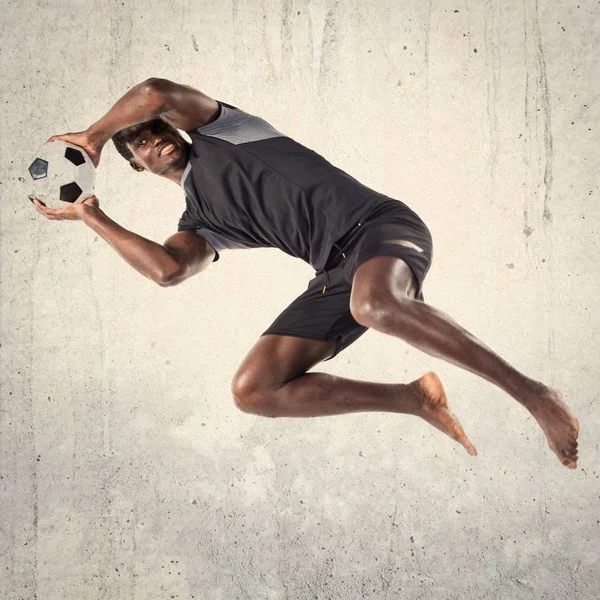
83	140
68	212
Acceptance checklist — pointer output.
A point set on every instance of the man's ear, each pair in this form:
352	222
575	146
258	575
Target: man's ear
136	166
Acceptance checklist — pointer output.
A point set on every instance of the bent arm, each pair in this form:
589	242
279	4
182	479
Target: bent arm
180	105
183	255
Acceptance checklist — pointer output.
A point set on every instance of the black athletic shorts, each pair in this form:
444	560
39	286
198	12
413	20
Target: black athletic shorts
322	312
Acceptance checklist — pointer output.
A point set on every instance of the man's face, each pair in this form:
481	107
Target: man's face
157	147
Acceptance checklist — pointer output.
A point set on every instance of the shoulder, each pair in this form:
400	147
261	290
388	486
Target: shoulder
236	126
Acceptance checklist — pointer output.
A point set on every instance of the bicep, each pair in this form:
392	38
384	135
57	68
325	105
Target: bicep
185	107
192	252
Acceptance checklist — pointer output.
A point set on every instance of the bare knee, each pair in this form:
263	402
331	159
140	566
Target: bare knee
371	307
377	309
273	361
248	394
381	286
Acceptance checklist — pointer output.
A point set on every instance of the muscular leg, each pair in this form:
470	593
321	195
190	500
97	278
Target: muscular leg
381	299
272	381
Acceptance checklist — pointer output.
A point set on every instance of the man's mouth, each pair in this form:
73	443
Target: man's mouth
165	148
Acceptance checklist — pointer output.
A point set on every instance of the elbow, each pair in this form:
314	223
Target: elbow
169	279
164	284
156	83
157	91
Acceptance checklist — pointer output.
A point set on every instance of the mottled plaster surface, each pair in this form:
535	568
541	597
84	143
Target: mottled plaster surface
127	472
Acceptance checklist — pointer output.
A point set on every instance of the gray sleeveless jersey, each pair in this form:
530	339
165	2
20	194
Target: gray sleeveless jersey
249	186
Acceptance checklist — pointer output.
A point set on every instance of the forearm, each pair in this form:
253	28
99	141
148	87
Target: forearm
147	257
141	103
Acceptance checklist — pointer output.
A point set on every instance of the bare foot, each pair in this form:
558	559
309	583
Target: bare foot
558	423
434	409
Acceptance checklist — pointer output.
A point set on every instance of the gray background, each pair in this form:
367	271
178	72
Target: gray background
126	472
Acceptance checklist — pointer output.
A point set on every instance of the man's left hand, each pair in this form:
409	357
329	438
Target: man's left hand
83	140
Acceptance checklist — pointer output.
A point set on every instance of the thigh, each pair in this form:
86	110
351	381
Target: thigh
393	231
276	359
321	313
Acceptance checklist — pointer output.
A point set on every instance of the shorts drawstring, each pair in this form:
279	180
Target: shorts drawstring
336	246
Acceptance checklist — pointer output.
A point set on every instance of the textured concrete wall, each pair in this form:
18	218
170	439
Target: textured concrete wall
126	472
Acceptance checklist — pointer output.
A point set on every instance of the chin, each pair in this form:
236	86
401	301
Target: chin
176	163
179	159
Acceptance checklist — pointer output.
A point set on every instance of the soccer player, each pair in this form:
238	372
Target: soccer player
248	186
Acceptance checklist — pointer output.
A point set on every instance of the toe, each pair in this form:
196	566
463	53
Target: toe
470	448
570	463
460	436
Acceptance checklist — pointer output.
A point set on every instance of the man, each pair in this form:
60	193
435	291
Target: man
247	186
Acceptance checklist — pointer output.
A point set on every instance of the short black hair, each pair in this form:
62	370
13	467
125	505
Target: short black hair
120	142
125	136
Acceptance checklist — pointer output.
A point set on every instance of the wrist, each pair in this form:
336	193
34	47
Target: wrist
89	213
96	137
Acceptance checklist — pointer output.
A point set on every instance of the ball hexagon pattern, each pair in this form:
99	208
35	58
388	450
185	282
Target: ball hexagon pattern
61	172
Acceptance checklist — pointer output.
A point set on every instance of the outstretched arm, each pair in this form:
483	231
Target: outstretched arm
180	105
183	255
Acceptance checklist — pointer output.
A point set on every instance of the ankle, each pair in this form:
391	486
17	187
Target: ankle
417	390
